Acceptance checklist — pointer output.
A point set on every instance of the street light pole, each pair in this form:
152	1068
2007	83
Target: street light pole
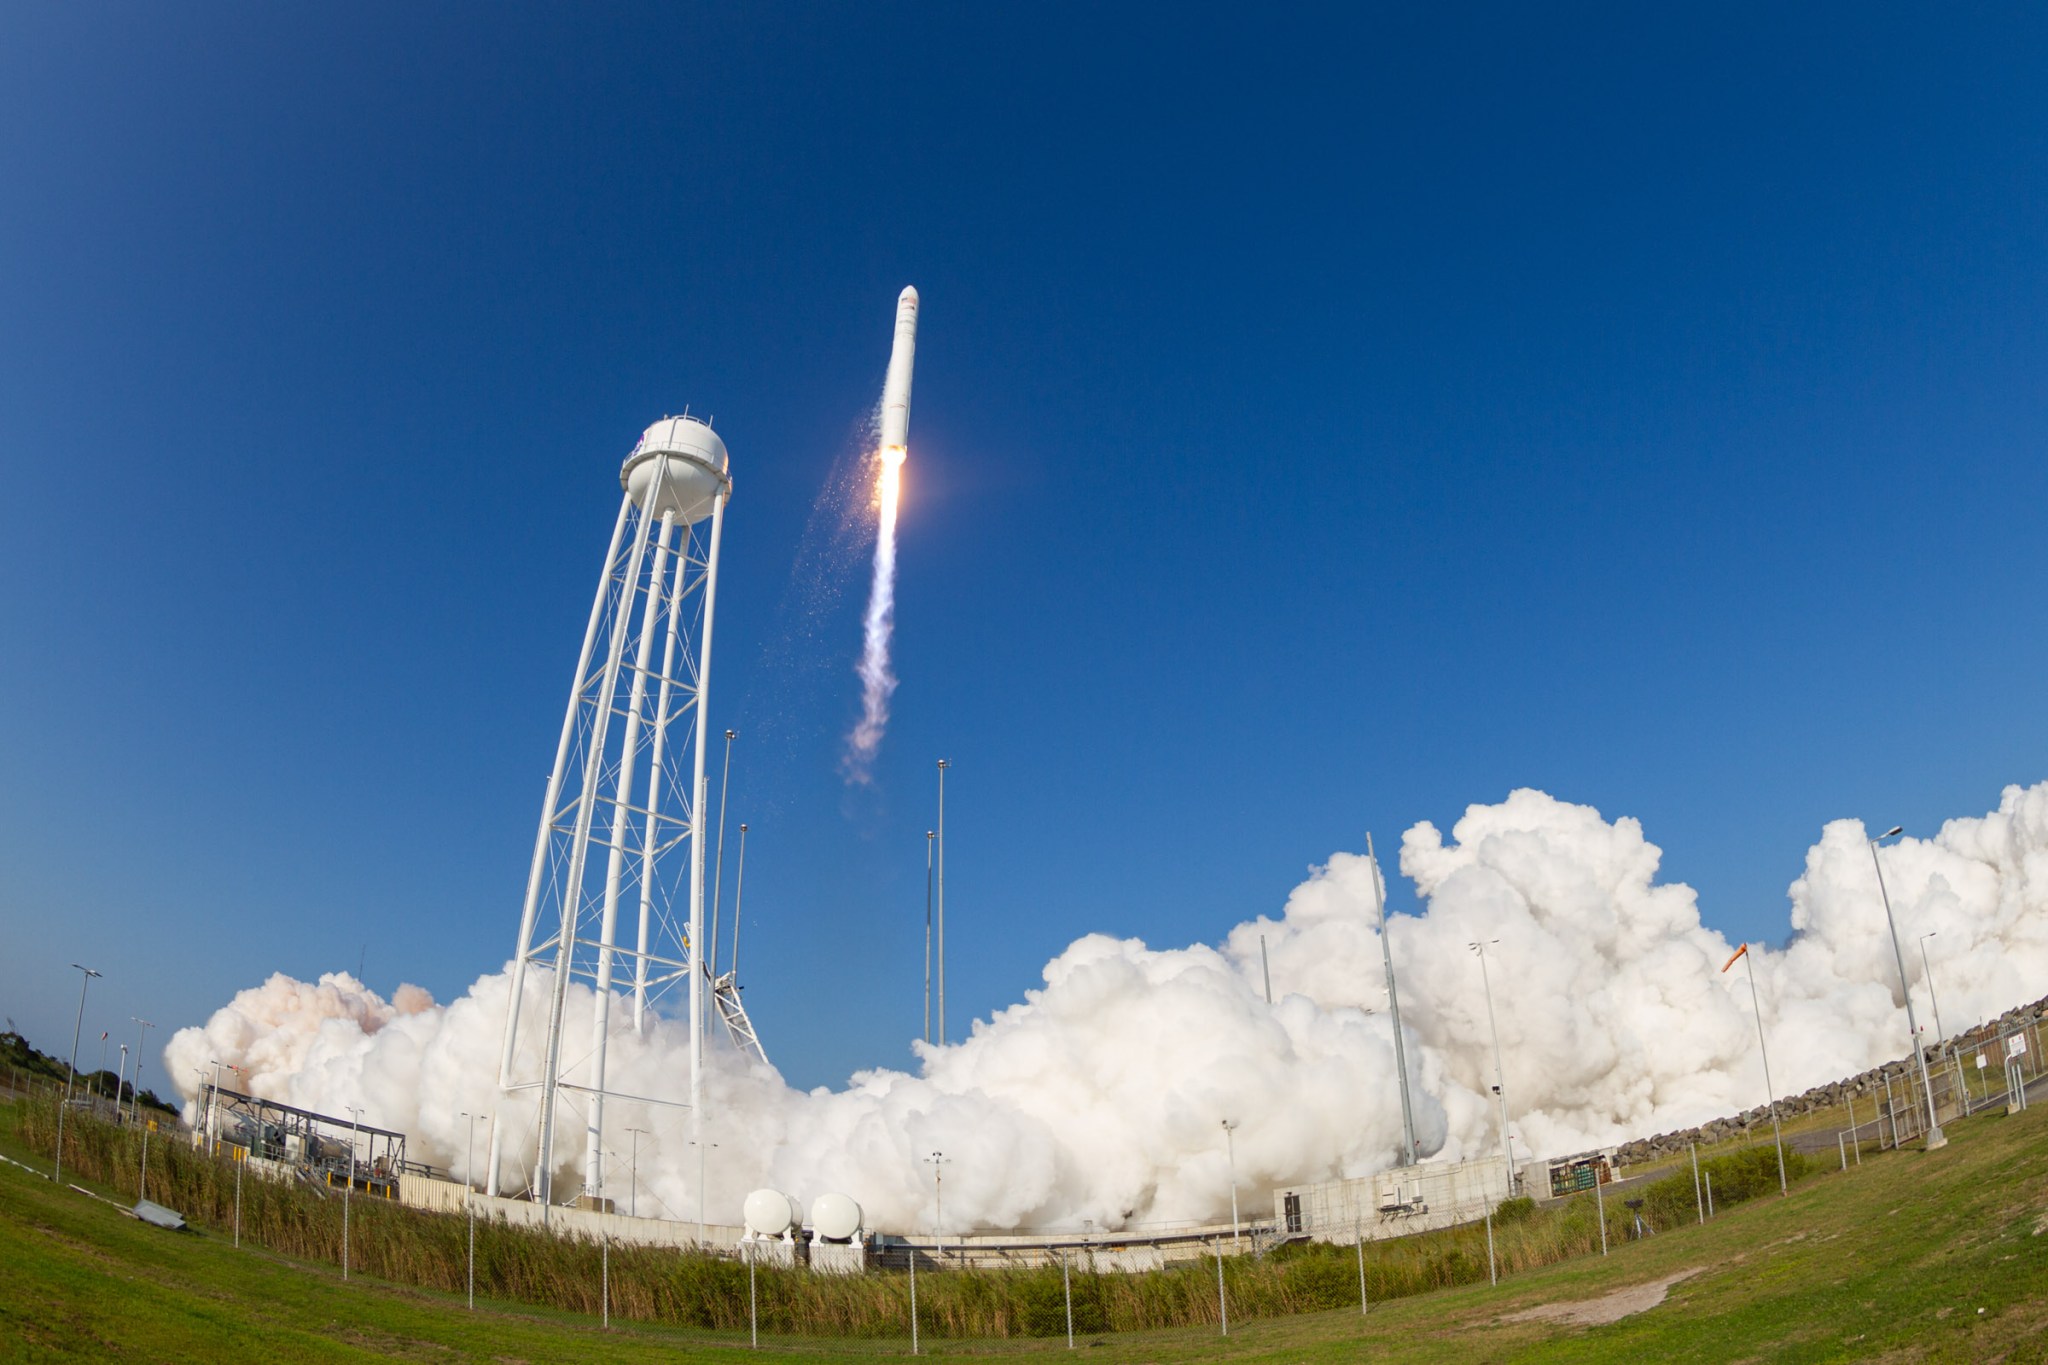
72	1074
1230	1152
1500	1078
1935	1138
1770	1093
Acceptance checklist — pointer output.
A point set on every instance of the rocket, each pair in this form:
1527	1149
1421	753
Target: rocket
896	387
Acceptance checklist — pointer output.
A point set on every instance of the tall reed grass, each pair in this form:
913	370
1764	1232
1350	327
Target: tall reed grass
698	1289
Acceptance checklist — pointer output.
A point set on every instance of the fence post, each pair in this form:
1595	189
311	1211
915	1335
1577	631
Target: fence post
1600	1200
1697	1197
1710	1194
1222	1299
1067	1287
1842	1150
754	1308
911	1253
605	1261
238	1202
1358	1236
1492	1272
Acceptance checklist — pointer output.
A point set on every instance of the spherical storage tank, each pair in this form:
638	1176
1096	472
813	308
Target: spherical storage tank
770	1213
836	1217
680	467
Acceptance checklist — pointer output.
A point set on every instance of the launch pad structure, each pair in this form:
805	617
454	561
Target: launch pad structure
622	823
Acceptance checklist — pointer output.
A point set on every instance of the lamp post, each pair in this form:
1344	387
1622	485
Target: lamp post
135	1109
1769	1093
938	1162
1500	1079
71	1074
718	865
120	1082
1230	1154
355	1119
469	1198
929	837
1935	1138
943	765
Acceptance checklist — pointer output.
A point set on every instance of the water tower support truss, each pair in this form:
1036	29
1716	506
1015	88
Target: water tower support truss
614	898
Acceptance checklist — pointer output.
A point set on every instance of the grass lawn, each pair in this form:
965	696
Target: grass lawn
1910	1256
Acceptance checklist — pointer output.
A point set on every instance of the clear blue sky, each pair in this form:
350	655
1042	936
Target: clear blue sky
1321	423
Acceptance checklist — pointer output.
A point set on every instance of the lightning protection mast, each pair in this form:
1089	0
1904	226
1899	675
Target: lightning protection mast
622	825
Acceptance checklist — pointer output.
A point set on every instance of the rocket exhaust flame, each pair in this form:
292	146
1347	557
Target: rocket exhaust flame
877	678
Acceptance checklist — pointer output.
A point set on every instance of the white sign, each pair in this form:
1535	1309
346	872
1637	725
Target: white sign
2016	1046
1982	1061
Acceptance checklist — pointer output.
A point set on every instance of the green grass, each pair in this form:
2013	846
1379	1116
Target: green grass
1891	1260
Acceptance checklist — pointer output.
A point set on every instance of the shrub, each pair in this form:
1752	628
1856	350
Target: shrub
1516	1210
1737	1176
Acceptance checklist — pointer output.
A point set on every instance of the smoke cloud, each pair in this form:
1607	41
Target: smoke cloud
1099	1097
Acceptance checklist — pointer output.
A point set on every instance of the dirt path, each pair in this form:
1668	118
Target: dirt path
1607	1308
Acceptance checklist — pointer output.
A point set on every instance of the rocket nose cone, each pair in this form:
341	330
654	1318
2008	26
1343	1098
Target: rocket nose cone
909	295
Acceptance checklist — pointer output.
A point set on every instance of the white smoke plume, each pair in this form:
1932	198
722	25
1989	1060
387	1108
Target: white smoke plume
877	678
1100	1096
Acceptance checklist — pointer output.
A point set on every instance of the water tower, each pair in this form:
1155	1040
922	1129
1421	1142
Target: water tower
621	828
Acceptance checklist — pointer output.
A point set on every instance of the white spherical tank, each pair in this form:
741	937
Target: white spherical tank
769	1213
796	1212
836	1218
680	466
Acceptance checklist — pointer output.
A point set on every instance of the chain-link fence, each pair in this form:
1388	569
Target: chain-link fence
887	1295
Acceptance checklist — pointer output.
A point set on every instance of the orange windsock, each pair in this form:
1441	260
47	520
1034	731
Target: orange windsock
1738	953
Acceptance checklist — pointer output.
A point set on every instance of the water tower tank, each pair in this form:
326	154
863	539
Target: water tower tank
688	481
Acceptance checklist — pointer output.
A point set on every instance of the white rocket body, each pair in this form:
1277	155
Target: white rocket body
896	386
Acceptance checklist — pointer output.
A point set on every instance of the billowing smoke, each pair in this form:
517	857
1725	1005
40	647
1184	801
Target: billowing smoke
1100	1097
877	678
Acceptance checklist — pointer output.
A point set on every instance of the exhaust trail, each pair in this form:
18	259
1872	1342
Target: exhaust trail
877	677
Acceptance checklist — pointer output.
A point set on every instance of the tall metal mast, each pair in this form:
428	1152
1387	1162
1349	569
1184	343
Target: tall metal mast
1393	1008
